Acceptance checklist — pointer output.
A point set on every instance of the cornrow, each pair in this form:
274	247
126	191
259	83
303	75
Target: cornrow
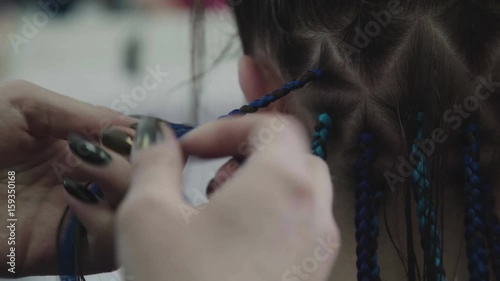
366	218
475	228
426	212
321	131
182	129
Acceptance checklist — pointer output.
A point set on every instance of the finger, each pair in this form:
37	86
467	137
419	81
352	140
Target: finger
95	216
98	220
238	136
281	165
109	170
51	114
322	182
157	162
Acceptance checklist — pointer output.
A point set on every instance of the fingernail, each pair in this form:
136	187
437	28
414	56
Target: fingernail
149	132
96	190
88	151
79	191
117	140
134	126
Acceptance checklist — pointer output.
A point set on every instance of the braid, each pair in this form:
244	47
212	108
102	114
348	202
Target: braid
321	131
277	94
181	129
366	219
475	228
426	212
493	230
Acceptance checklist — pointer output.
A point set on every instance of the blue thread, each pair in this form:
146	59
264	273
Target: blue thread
426	210
67	256
320	136
366	217
475	215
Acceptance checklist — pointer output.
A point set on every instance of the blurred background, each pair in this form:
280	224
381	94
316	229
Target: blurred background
103	52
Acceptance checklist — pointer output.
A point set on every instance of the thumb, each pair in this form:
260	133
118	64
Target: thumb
157	163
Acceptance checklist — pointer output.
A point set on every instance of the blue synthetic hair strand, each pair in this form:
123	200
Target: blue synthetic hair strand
68	254
182	129
321	132
493	232
475	215
366	218
426	211
278	94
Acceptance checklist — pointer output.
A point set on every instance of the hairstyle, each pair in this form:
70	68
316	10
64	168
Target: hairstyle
407	84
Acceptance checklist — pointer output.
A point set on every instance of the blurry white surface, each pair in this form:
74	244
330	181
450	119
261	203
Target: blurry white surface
83	58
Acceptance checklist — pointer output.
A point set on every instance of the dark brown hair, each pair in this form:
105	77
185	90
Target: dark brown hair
386	62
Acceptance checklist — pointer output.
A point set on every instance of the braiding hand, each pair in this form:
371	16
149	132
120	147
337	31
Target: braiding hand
271	218
35	123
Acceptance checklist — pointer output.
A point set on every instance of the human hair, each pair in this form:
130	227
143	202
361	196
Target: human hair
401	100
410	87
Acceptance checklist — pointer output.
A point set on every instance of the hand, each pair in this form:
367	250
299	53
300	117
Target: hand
271	221
35	124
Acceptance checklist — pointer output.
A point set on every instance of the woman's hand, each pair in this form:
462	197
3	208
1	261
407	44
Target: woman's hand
35	124
271	221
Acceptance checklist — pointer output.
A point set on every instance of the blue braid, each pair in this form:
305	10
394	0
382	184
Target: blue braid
320	136
426	211
181	129
366	218
475	227
493	230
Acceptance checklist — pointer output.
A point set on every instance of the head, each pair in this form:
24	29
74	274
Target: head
422	79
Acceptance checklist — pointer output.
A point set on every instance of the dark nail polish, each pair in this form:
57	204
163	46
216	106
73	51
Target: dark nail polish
211	188
88	151
79	191
117	140
148	133
134	126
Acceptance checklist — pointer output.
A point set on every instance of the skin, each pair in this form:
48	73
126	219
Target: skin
257	76
266	222
35	123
